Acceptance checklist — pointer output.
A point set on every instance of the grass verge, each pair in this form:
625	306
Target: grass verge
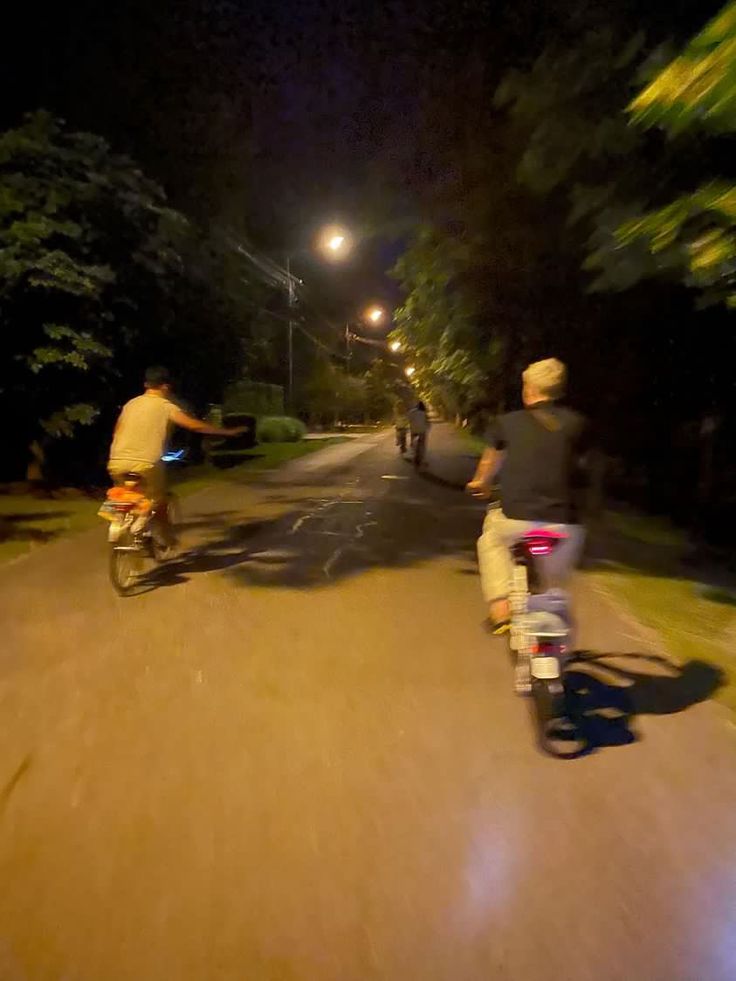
695	620
28	521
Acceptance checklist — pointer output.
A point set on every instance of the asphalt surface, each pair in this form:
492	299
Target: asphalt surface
296	756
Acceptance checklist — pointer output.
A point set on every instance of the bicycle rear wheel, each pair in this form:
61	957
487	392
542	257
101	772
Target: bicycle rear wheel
559	735
419	450
124	564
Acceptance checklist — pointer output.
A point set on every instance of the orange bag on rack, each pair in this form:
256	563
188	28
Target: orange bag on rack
124	495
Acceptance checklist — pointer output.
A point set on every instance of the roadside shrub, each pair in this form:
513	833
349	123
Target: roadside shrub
280	429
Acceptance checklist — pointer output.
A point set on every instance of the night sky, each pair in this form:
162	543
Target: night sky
272	117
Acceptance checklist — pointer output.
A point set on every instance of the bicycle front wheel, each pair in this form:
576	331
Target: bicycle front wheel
124	564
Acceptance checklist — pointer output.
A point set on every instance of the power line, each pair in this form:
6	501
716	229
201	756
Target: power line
275	275
319	343
300	326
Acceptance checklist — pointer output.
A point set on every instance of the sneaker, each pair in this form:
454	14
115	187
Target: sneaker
498	628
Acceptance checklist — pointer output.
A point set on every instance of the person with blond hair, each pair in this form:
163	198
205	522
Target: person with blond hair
534	453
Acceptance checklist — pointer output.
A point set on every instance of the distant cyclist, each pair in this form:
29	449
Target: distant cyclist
401	425
142	433
419	426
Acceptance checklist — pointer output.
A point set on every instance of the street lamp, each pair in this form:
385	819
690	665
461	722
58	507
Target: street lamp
395	346
334	243
375	314
409	371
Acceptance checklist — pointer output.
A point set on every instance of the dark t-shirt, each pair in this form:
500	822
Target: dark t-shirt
543	445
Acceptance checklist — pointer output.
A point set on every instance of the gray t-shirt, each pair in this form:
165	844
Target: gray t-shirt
142	430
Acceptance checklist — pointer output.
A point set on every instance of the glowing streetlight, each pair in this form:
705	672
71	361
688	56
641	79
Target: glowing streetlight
375	314
409	371
395	346
334	242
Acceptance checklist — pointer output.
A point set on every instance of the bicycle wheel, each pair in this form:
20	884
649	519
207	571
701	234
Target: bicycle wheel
124	564
559	735
419	452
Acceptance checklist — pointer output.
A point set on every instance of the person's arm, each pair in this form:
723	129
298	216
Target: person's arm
488	466
180	418
490	461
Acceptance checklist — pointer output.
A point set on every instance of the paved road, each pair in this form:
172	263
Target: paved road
296	757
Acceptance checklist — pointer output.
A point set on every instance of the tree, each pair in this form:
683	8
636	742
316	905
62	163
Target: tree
88	252
489	283
383	384
568	114
332	395
588	136
616	132
100	277
436	323
695	94
699	86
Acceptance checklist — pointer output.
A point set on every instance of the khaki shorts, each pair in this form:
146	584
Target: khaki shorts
153	476
494	553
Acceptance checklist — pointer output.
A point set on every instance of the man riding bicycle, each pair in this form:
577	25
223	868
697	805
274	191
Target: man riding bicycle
401	425
140	438
419	426
535	452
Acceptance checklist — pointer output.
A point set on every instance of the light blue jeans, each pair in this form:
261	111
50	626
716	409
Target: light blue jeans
494	553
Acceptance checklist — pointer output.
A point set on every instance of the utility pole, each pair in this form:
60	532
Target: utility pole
347	343
292	298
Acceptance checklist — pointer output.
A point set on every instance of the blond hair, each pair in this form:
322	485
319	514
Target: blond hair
547	377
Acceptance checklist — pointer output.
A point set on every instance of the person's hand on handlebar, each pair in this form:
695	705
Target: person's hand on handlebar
478	488
481	485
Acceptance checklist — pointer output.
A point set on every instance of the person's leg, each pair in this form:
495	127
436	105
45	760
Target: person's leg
494	560
557	567
157	488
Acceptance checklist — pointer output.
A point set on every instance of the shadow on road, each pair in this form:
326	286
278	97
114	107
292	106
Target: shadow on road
228	549
19	527
606	691
324	540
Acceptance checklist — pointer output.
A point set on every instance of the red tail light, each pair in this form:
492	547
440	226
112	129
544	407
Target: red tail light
540	548
546	649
